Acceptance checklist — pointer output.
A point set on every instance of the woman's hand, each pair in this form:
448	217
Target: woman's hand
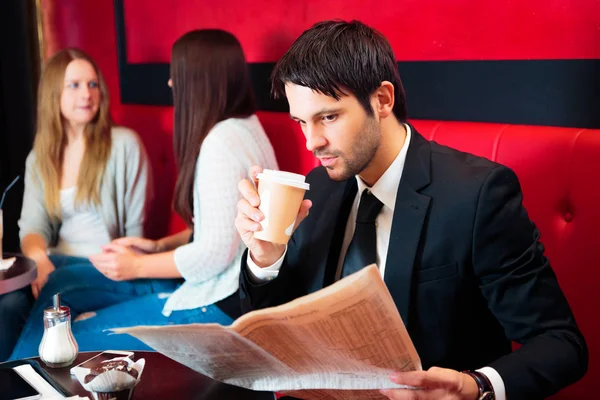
118	263
44	268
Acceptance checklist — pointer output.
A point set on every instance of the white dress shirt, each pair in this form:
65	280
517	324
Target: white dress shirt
385	189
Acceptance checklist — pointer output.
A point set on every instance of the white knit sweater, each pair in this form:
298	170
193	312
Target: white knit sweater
211	263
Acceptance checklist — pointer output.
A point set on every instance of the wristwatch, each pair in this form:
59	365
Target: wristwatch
486	390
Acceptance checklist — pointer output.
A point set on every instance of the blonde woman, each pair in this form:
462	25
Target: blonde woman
86	181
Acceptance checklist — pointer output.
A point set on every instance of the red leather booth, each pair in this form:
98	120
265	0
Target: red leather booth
558	169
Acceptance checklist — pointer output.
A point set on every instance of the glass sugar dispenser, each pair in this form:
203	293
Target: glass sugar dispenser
58	347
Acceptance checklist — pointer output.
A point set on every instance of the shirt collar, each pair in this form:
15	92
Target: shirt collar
386	188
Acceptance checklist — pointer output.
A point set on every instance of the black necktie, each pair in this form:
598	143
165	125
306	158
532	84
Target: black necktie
363	247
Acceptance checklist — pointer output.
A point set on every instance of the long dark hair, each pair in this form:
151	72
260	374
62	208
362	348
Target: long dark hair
210	84
341	58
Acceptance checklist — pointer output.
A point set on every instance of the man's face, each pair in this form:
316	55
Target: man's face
339	132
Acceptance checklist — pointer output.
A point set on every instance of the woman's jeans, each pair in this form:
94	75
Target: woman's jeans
82	288
91	334
106	304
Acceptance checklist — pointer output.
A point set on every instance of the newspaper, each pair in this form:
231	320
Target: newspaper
341	342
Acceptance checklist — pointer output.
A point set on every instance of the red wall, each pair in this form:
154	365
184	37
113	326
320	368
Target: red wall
417	29
91	27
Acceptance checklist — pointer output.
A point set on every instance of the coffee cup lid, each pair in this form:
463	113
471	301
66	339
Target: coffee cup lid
284	178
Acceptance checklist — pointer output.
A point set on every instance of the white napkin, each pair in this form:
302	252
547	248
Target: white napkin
7	263
41	385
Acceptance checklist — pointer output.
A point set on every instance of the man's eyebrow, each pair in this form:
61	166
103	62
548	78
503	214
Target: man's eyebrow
323	111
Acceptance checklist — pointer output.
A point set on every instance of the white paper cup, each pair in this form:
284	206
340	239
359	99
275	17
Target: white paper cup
281	195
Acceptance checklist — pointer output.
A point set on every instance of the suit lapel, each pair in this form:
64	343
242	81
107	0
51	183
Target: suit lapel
331	226
409	217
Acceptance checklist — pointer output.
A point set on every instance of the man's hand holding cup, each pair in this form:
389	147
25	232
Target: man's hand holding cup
271	208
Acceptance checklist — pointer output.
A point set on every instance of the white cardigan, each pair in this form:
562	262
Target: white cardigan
211	263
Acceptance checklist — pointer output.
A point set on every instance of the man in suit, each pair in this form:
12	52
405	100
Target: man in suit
447	230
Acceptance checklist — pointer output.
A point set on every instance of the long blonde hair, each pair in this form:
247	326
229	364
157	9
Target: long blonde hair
50	138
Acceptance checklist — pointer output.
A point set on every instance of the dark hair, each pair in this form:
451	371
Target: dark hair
210	84
336	57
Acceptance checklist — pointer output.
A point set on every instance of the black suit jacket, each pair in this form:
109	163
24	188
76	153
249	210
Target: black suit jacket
464	266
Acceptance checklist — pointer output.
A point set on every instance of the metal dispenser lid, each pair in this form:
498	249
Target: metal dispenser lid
56	310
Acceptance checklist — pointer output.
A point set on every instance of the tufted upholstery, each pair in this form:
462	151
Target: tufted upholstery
558	169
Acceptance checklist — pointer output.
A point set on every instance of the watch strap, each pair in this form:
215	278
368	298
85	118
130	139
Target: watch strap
486	390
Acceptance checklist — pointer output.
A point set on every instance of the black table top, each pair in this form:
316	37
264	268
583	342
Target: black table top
163	378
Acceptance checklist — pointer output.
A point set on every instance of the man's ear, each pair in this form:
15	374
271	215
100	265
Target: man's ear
383	100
